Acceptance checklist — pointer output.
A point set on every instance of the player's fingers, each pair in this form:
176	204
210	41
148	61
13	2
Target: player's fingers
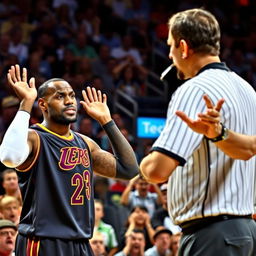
208	101
9	78
89	94
13	75
32	82
24	75
219	104
17	69
94	94
104	98
99	95
85	96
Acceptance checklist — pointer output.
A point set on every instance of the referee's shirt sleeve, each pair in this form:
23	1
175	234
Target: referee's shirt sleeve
177	140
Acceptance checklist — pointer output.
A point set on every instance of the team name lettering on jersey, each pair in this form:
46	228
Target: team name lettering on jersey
72	156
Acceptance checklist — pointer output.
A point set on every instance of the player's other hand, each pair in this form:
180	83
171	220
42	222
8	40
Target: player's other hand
95	104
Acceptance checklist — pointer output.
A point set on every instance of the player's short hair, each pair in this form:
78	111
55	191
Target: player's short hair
42	90
199	28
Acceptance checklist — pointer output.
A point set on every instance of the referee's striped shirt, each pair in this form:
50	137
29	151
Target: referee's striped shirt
208	182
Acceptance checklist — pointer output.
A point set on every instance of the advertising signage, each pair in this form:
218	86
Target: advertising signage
149	127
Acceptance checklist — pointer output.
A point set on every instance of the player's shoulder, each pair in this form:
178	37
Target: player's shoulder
90	142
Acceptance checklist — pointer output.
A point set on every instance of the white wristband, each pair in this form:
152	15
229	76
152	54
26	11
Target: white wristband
14	149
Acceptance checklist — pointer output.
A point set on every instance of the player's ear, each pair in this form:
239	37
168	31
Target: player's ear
184	49
42	104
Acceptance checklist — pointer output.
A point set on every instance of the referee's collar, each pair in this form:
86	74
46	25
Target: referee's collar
215	65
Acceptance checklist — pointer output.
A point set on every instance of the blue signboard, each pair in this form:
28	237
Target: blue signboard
149	127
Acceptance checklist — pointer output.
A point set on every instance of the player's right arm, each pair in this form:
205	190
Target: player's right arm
235	145
18	142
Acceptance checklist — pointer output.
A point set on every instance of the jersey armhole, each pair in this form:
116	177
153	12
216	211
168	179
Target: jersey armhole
27	168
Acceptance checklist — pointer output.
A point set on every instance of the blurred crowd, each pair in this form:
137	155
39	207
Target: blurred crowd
108	44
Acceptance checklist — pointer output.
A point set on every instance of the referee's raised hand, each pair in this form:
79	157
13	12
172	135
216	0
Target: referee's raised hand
208	123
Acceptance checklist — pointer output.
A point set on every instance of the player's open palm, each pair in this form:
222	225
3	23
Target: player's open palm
18	81
95	104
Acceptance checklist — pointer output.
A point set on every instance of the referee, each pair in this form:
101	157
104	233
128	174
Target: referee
210	195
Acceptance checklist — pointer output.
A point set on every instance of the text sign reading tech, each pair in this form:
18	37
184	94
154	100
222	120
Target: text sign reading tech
149	127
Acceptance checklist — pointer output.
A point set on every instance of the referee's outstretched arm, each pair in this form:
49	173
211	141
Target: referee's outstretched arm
235	145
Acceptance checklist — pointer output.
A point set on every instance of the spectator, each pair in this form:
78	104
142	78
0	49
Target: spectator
80	48
138	219
10	209
10	105
97	244
161	216
126	49
101	187
135	244
175	244
105	229
17	47
162	243
8	232
86	127
10	184
141	195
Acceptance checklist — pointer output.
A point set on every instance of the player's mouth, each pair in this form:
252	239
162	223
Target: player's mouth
70	111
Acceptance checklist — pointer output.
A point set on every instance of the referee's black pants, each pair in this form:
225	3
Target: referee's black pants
230	237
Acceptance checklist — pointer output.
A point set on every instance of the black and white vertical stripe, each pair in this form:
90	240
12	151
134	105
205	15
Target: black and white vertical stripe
209	183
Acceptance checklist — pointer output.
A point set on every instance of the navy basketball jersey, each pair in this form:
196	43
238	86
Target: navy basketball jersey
57	188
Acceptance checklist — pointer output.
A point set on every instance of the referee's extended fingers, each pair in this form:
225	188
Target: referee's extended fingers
184	117
219	104
208	118
208	101
212	112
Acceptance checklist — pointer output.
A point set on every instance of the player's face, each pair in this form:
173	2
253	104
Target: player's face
176	56
61	103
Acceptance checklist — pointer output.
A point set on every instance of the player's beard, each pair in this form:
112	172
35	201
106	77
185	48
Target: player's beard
61	118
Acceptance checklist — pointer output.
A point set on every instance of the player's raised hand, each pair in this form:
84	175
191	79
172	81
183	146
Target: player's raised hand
18	81
95	104
208	123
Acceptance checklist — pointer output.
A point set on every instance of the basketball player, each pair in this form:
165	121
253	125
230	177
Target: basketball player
210	195
55	165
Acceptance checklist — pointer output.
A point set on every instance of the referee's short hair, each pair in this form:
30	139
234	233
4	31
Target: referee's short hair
199	28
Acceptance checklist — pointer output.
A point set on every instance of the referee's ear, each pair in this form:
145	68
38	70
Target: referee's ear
184	49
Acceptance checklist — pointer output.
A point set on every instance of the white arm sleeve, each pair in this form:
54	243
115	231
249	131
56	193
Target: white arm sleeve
14	149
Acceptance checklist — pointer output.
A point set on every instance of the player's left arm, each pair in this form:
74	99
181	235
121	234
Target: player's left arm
122	164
